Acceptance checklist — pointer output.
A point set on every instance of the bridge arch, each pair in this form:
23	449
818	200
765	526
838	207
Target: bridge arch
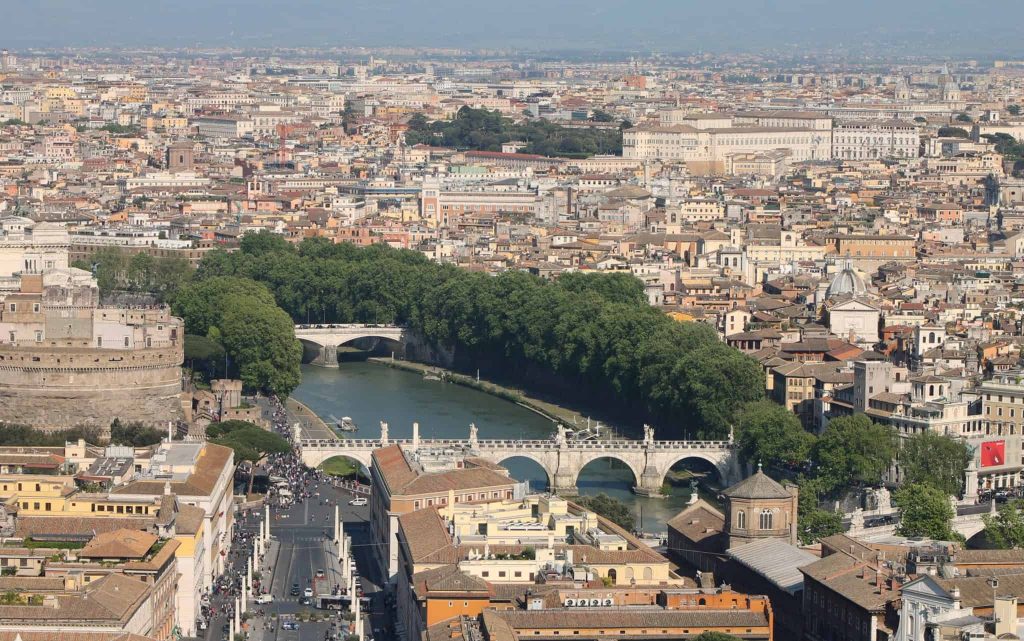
630	460
542	464
720	466
359	465
315	457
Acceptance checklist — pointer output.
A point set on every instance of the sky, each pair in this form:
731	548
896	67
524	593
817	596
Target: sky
936	28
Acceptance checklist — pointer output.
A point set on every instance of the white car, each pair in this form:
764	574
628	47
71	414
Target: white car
358	501
308	592
264	598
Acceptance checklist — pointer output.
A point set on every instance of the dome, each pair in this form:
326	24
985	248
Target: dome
846	283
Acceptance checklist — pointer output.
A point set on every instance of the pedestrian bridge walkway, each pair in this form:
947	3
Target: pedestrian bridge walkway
561	458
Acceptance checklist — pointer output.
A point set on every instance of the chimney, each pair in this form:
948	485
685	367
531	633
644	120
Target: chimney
415	436
955	593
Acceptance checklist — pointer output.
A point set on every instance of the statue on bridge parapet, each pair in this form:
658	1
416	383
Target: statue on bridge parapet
473	442
648	434
383	434
560	438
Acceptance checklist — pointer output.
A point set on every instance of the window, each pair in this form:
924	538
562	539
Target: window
741	520
126	341
35	307
766	519
13	307
485	574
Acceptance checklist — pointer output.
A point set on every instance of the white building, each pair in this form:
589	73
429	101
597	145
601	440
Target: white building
705	142
867	139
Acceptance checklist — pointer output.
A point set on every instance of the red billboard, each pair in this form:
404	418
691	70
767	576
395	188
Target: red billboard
993	453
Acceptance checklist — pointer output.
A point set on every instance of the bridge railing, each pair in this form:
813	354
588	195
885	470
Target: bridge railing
484	444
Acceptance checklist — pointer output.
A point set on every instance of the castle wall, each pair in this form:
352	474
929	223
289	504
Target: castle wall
58	388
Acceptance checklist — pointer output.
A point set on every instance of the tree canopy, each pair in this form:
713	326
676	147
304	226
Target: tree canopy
485	130
768	433
249	441
591	338
853	450
242	316
116	270
1005	529
610	508
953	132
936	460
924	511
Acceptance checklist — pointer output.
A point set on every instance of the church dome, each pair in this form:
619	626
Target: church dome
846	283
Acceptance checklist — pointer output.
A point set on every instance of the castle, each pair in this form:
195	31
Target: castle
65	360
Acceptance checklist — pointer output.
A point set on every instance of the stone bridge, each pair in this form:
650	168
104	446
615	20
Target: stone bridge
328	337
968	522
562	459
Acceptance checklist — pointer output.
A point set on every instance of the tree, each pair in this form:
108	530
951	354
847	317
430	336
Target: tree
601	115
265	242
936	460
250	442
1005	529
853	449
817	524
614	288
768	433
962	117
261	340
257	335
924	511
953	132
1014	110
134	434
205	356
610	508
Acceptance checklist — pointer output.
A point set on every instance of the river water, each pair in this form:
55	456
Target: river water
371	393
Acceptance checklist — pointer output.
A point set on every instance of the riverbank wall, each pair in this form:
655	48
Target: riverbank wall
550	411
300	410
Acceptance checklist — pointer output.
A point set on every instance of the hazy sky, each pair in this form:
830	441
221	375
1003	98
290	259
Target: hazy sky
931	27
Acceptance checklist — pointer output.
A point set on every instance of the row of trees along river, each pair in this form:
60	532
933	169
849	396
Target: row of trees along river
590	340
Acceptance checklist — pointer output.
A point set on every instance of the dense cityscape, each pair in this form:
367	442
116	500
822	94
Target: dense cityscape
424	343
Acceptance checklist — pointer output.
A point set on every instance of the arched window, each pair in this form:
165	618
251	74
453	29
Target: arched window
766	519
648	574
741	520
931	390
612	575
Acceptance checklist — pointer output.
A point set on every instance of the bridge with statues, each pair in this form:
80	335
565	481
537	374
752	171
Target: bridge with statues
328	337
561	457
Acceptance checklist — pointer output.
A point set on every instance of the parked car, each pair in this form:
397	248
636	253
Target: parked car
265	598
358	501
308	592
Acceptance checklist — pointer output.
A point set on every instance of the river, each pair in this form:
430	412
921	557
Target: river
370	393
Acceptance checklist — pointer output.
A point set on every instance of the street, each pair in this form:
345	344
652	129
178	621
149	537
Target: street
302	554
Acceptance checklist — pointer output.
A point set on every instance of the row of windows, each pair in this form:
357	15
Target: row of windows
765	521
461	498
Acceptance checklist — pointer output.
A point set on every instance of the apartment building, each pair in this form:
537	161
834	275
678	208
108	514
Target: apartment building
405	481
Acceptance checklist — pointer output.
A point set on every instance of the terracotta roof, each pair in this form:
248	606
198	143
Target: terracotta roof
698	522
757	486
616	617
125	544
402	479
85	526
448	579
